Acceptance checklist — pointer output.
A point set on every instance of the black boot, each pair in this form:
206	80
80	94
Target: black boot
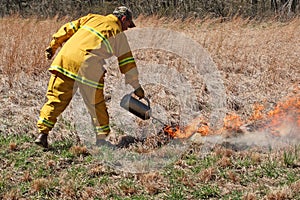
42	140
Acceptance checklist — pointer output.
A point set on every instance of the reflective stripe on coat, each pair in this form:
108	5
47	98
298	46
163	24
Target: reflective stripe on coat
85	43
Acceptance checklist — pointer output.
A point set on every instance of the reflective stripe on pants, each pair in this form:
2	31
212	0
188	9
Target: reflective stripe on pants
60	91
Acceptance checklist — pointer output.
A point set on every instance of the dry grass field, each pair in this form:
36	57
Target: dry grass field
260	66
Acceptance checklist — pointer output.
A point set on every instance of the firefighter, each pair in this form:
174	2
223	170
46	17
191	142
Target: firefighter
85	43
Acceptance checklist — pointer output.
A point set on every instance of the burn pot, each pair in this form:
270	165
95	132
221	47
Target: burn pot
136	107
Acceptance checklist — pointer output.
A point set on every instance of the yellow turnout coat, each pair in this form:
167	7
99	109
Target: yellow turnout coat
82	56
85	43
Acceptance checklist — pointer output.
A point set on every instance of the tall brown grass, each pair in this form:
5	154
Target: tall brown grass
22	46
259	62
23	71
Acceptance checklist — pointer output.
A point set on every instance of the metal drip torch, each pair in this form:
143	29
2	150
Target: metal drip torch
138	108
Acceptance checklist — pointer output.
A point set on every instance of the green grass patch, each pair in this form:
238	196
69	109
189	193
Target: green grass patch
68	174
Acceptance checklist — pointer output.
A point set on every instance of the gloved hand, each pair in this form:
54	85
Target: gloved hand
49	53
139	92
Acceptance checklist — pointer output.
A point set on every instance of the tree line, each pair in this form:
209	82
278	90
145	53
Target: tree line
216	8
171	8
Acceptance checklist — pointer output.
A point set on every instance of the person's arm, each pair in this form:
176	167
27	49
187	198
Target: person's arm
127	63
63	34
128	67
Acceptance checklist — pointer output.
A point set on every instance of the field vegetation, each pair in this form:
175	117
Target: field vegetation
179	9
259	63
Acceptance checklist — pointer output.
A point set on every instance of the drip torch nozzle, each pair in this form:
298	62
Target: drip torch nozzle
158	120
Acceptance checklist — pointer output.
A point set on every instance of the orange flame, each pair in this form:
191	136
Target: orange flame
192	128
172	131
257	114
232	122
285	114
186	132
276	121
204	130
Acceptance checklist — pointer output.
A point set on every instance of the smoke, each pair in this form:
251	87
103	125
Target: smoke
284	134
277	128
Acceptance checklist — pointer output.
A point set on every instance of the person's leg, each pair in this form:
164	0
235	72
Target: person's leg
59	94
95	103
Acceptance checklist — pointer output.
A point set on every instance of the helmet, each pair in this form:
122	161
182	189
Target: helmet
124	11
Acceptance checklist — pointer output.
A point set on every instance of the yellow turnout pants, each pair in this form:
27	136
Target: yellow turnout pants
60	92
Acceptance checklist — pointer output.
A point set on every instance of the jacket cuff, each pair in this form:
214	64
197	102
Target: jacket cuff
131	78
135	84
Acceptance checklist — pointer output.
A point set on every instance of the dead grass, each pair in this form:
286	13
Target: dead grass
249	196
23	52
79	150
39	184
152	182
252	56
11	195
26	177
208	175
259	63
234	177
51	163
97	171
12	146
69	190
282	194
224	162
256	157
223	152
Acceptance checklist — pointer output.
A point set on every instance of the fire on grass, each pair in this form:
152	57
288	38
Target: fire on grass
283	119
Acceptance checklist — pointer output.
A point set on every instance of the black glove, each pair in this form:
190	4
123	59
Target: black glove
49	53
139	92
